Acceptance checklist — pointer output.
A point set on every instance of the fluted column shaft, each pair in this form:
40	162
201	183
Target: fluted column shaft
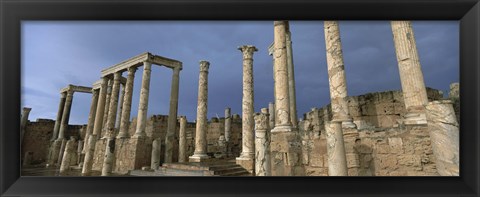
97	127
228	123
411	76
58	121
337	159
182	144
291	80
91	119
336	72
248	137
262	144
172	116
143	103
201	127
127	104
282	102
66	114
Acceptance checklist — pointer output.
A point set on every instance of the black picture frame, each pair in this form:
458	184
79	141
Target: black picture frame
12	12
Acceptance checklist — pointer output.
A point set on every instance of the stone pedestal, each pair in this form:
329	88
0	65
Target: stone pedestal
336	74
248	138
337	160
200	153
262	144
411	76
67	155
156	150
182	144
444	136
170	140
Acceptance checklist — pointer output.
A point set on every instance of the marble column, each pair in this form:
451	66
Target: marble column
337	159
200	152
156	150
228	123
110	127
97	127
282	101
248	137
262	144
127	104
23	122
58	121
143	103
271	109
107	103
120	107
66	115
444	135
172	116
67	155
411	76
182	144
91	119
336	74
291	79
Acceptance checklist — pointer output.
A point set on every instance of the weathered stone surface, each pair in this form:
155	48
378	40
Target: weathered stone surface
444	134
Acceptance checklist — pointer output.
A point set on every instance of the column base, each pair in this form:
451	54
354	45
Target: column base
282	128
247	163
198	158
415	118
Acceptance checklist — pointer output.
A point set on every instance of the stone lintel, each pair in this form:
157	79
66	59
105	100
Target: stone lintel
138	61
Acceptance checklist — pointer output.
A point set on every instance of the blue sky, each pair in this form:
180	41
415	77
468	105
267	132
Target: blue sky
56	53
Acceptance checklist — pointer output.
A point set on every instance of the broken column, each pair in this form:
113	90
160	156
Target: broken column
336	74
127	104
337	159
143	103
262	144
156	150
172	116
247	156
110	126
200	152
67	155
291	78
182	144
411	76
97	127
23	121
444	136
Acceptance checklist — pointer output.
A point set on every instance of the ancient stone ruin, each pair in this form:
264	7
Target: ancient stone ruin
412	132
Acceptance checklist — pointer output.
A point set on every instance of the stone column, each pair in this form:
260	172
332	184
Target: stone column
411	76
156	150
172	116
110	127
262	144
182	144
336	74
200	152
66	114
282	101
127	104
59	116
228	123
247	156
91	119
97	127
107	103
120	110
337	159
291	79
23	122
143	103
444	135
67	155
271	109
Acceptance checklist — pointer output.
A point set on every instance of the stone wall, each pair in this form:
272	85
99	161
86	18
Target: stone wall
37	138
